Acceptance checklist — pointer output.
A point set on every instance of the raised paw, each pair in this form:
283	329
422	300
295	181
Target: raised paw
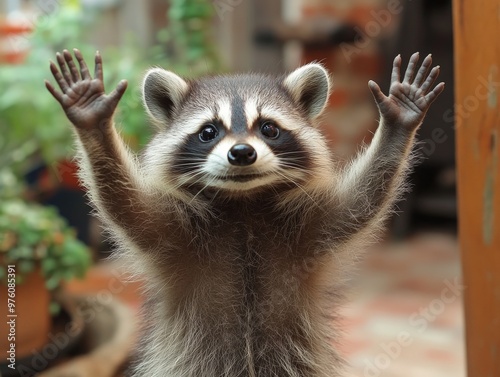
82	97
409	99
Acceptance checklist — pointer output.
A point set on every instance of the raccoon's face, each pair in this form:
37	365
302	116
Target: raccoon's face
236	133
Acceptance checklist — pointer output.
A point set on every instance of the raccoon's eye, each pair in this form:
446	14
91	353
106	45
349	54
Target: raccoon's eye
270	130
208	133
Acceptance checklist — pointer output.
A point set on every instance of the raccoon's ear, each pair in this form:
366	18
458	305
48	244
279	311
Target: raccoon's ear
162	91
309	86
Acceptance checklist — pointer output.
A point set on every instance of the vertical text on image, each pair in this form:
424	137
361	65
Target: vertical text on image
11	315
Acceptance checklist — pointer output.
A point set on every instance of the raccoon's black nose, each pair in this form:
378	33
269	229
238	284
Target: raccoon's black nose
242	155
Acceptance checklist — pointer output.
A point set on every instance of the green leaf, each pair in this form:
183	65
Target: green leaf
21	252
53	282
49	265
163	36
54	308
26	266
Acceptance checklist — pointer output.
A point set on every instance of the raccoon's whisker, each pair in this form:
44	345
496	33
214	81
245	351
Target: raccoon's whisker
288	161
189	176
190	166
203	188
291	166
299	187
193	172
290	153
197	160
222	162
215	195
191	181
268	153
220	157
291	156
223	166
190	162
199	164
188	156
193	165
197	154
299	157
295	164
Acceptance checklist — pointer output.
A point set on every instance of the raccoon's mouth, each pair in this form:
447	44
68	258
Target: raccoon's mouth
241	177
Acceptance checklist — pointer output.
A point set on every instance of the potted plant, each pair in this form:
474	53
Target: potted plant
38	252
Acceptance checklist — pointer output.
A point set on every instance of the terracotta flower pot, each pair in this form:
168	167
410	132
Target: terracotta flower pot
29	329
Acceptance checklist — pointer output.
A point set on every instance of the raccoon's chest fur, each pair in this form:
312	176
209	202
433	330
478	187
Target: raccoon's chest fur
247	254
245	293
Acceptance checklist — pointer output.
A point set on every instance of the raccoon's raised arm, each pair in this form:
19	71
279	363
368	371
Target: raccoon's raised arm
107	167
372	183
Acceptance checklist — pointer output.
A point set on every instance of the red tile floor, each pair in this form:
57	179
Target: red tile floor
403	318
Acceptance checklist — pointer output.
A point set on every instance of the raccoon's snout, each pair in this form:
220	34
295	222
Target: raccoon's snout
242	155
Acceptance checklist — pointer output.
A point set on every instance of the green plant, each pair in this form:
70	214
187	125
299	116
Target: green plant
34	236
31	122
190	34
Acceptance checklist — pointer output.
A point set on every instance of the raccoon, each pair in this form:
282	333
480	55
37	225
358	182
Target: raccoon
241	221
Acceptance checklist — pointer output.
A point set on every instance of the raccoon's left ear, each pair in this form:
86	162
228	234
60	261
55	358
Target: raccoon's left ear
309	86
163	92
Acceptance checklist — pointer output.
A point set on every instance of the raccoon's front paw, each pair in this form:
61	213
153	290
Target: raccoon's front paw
409	100
82	97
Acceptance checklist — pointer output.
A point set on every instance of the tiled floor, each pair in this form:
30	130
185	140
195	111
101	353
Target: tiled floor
404	317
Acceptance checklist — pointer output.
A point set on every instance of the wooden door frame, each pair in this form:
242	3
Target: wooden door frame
477	110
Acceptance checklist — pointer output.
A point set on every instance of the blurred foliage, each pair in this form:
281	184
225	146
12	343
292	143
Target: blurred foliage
31	120
190	33
34	236
31	235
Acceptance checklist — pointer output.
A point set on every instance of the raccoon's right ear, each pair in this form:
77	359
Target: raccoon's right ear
162	91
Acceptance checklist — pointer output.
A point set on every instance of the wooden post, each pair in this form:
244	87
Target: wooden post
477	112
